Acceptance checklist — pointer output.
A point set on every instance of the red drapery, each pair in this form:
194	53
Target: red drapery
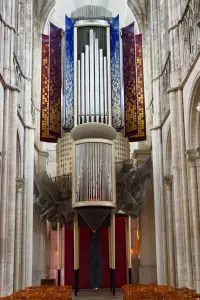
120	253
84	277
69	257
84	280
105	258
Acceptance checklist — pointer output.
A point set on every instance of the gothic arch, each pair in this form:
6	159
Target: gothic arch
194	115
137	8
46	9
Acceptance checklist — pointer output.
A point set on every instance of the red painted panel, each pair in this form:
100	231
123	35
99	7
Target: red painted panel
69	257
84	279
105	258
120	253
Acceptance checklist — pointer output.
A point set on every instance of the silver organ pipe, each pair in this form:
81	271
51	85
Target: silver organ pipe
87	84
105	89
101	85
93	172
97	79
92	75
93	82
79	90
83	87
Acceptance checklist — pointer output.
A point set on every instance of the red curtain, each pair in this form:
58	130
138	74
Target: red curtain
69	257
120	253
105	258
84	279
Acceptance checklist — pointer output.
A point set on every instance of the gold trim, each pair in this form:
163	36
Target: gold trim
93	203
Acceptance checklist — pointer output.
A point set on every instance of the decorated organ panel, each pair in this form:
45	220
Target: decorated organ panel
94	74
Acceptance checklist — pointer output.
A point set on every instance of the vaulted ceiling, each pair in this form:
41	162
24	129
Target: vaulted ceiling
43	9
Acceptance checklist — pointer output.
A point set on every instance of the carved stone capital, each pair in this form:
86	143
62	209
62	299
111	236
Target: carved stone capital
198	152
19	184
191	158
168	182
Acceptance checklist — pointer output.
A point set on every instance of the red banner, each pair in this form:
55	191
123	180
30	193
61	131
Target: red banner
129	71
44	111
55	81
141	135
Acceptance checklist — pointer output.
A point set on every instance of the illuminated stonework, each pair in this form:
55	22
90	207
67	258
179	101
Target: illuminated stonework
64	155
122	148
64	152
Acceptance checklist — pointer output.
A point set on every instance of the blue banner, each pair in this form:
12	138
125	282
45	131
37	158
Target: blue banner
115	74
69	74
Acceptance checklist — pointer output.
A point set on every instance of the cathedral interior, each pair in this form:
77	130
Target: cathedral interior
99	149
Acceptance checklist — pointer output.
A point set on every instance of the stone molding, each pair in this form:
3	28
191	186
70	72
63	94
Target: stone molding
140	156
6	24
191	158
19	184
168	182
8	86
198	153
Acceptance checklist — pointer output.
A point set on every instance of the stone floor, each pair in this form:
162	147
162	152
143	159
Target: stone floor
98	295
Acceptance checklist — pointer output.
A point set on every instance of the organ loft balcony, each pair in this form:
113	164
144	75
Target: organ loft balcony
93	166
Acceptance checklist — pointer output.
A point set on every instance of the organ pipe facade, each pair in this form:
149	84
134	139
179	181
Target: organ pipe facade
91	76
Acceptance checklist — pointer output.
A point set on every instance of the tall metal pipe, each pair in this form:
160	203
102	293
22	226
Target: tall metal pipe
109	77
87	83
97	104
83	87
105	89
77	162
75	77
101	86
92	75
79	91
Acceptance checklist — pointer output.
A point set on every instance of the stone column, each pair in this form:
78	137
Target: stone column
184	184
147	267
170	231
161	253
4	187
177	199
18	235
29	208
10	221
191	157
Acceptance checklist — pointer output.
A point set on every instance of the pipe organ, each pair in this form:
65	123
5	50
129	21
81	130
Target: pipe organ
92	74
93	122
93	171
93	117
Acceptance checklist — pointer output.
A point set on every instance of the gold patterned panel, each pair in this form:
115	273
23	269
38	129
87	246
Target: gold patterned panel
141	136
44	117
